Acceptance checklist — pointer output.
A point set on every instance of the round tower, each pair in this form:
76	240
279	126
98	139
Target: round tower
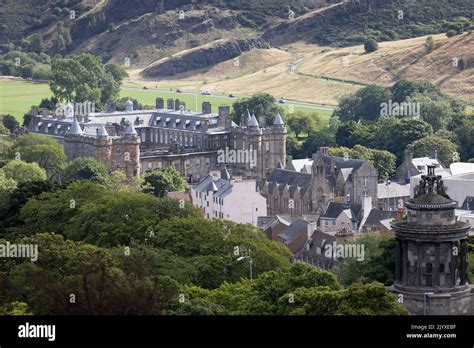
431	249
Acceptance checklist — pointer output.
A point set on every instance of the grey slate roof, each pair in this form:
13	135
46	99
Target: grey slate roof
225	174
290	177
278	120
220	187
377	215
212	187
266	222
280	177
102	133
335	209
252	122
468	203
297	228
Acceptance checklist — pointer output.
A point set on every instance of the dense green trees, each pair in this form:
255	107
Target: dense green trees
382	160
85	168
307	123
299	290
365	104
82	78
378	264
118	72
447	151
9	121
262	105
436	121
23	172
43	150
161	180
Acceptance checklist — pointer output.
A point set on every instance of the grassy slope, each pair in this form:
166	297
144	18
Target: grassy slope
18	96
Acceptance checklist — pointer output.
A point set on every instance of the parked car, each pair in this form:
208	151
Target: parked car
282	101
206	92
145	87
231	96
179	91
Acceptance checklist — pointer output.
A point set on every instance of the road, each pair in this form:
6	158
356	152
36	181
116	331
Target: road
295	103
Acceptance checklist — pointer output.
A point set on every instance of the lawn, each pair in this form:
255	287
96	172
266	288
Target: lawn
17	97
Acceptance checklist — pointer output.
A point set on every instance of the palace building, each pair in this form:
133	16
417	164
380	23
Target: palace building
139	140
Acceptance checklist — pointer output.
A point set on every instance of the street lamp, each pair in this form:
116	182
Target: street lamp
425	295
250	262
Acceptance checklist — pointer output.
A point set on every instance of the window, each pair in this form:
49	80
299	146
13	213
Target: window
143	135
326	222
365	182
267	146
118	159
366	194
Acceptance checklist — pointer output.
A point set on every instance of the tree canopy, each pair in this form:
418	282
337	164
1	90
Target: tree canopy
85	168
161	180
262	105
82	78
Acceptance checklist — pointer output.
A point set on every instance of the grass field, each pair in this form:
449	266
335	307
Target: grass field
17	97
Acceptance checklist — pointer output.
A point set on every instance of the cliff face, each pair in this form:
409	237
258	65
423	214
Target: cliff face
204	57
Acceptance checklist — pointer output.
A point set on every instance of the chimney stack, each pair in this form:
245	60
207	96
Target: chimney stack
206	107
34	111
224	119
176	104
160	103
433	154
111	106
324	150
170	104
